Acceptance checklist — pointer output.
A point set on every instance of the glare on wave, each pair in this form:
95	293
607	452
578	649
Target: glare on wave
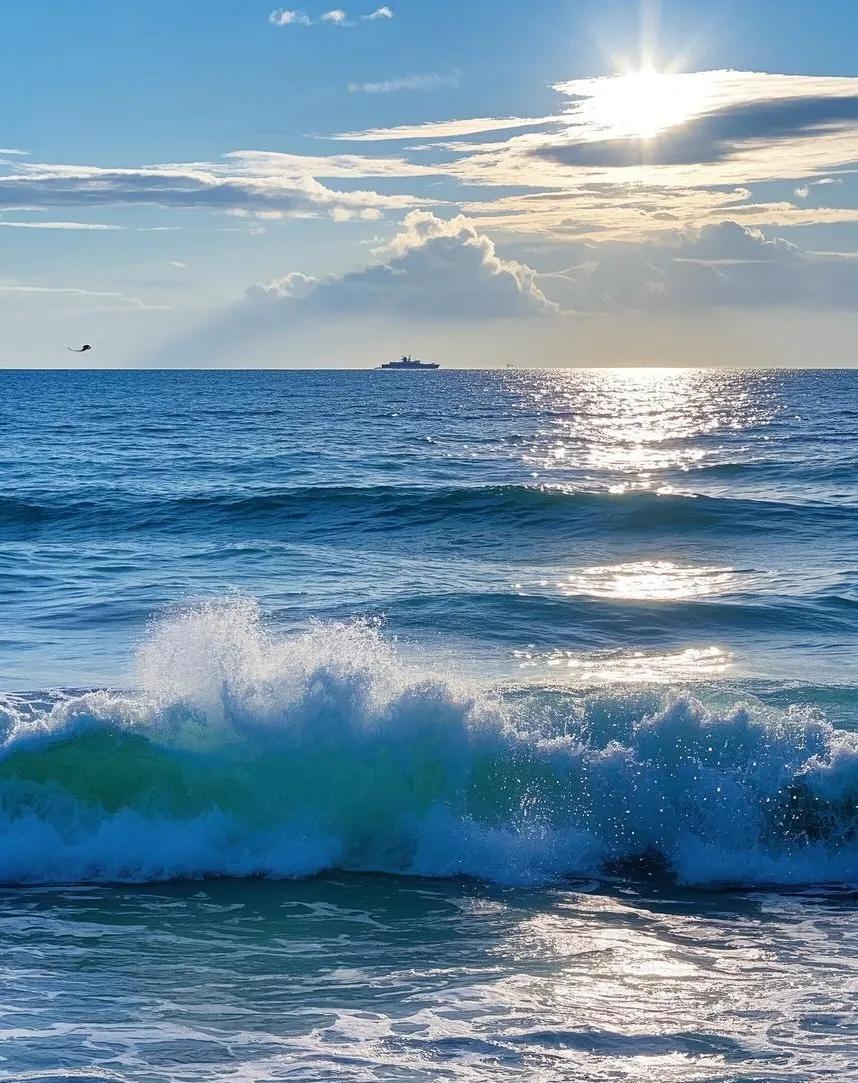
648	580
634	667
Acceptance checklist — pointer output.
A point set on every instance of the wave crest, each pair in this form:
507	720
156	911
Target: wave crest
244	754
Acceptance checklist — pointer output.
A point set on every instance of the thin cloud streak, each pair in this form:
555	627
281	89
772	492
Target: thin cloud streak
60	225
82	294
443	129
432	81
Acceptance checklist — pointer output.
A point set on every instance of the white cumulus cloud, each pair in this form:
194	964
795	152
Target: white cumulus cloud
433	268
285	17
384	12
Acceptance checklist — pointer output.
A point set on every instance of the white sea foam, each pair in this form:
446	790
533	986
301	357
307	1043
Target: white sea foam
243	754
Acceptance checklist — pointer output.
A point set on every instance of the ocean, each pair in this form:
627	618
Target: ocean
454	725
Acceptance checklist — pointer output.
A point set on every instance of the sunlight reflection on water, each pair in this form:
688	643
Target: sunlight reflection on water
639	422
632	667
647	580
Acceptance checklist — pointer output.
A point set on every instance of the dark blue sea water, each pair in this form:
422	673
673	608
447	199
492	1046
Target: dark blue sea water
422	726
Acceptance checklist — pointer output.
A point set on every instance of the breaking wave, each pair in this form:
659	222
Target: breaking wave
241	754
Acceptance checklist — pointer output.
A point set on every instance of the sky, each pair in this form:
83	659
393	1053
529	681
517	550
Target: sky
233	183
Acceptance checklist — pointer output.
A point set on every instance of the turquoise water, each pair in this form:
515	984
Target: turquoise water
422	726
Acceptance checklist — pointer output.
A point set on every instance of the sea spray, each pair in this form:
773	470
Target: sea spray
246	754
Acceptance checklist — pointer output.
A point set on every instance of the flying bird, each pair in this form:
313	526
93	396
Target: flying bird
83	349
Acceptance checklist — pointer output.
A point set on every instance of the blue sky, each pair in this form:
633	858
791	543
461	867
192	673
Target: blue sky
677	183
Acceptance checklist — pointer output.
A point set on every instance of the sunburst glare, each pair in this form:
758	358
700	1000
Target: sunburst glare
641	104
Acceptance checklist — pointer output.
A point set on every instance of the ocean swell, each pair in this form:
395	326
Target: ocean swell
246	755
317	510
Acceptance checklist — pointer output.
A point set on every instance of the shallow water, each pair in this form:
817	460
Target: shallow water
357	978
531	696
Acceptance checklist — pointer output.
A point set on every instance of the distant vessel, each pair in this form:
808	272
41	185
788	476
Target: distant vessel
410	362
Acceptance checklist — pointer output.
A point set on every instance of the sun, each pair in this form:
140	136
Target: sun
639	104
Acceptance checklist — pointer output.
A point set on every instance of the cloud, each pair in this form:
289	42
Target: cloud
294	166
433	269
336	17
433	81
228	186
442	129
583	172
177	263
704	130
715	137
804	190
13	150
285	17
442	276
726	264
59	225
703	133
444	284
113	298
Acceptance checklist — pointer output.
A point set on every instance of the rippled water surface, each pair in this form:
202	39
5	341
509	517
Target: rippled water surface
429	725
373	979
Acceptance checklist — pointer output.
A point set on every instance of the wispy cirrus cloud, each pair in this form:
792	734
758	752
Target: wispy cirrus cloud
102	298
432	81
60	225
297	166
443	129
